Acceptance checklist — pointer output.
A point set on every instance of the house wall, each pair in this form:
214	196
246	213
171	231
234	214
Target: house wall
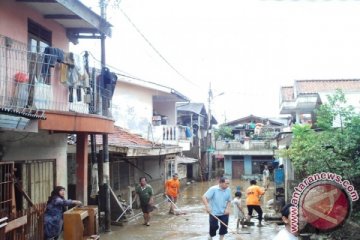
247	165
132	107
228	166
168	109
37	146
16	24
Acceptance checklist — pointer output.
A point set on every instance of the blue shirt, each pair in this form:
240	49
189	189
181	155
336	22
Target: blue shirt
218	199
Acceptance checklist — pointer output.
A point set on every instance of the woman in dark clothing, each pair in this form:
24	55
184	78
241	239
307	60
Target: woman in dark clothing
53	218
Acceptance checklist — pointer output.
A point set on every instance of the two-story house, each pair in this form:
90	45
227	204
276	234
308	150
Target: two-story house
149	110
45	96
251	148
195	118
301	99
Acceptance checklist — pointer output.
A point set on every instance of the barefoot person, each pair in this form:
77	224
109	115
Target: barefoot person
238	211
217	201
253	194
146	195
172	190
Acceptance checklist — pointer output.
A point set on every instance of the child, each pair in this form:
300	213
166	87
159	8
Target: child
238	212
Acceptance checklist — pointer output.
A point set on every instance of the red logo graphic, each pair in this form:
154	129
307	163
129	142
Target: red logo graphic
325	206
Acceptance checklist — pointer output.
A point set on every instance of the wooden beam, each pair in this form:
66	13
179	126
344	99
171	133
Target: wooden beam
16	223
61	16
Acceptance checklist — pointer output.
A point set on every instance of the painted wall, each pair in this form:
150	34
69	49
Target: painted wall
37	146
15	26
168	109
247	165
132	107
228	166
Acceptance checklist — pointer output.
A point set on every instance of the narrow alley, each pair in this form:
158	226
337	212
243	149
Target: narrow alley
194	223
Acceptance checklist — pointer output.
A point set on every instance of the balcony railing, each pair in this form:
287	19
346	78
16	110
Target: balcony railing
171	134
30	80
248	145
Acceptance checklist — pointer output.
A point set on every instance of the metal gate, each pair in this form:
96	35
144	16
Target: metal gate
7	200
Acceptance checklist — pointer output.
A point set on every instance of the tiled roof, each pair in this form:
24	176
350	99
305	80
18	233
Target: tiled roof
287	93
316	86
123	138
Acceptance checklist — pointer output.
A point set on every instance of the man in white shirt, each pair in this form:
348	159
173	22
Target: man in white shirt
286	234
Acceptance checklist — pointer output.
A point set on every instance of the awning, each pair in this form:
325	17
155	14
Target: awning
78	20
184	160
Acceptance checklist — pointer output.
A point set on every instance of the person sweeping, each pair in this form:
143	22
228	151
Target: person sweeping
172	191
217	201
253	194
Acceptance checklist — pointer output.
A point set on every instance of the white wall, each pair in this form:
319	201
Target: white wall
132	107
168	109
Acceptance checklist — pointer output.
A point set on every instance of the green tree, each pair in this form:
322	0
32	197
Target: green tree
334	146
223	132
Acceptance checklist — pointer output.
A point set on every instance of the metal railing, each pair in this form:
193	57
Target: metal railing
34	81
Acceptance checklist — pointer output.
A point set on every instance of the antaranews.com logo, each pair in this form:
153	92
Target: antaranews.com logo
323	200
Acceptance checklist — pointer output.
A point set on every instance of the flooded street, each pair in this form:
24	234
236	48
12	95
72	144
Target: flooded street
194	223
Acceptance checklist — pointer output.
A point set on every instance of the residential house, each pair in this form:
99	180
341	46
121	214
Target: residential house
301	99
251	149
39	105
149	110
195	118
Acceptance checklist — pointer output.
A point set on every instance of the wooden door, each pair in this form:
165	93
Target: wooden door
237	169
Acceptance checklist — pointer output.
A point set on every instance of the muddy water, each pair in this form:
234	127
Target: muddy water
193	224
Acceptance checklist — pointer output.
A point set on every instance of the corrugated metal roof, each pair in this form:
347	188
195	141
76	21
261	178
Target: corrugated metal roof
24	112
197	108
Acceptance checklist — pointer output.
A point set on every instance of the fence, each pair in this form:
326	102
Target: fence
33	229
34	80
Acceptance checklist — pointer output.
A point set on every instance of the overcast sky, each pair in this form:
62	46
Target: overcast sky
245	48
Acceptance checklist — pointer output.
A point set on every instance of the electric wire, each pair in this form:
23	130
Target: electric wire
125	74
155	49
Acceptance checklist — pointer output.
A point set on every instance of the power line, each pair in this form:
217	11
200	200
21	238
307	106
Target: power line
156	51
125	74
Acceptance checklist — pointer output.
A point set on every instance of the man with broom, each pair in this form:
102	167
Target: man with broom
172	191
217	201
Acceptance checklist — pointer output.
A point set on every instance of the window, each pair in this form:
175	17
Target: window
37	178
38	39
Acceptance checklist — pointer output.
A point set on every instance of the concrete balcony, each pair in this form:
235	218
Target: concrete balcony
172	135
249	147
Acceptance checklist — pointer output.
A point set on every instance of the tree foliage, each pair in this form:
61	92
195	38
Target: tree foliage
334	146
223	132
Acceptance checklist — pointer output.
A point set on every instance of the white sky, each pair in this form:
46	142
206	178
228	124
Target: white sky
245	48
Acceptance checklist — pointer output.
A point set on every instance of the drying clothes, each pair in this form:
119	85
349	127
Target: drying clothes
107	83
63	73
51	56
77	75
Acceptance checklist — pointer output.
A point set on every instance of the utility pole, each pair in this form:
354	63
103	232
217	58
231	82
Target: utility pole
209	141
104	185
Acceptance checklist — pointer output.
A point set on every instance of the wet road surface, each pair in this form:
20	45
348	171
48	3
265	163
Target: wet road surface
193	224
